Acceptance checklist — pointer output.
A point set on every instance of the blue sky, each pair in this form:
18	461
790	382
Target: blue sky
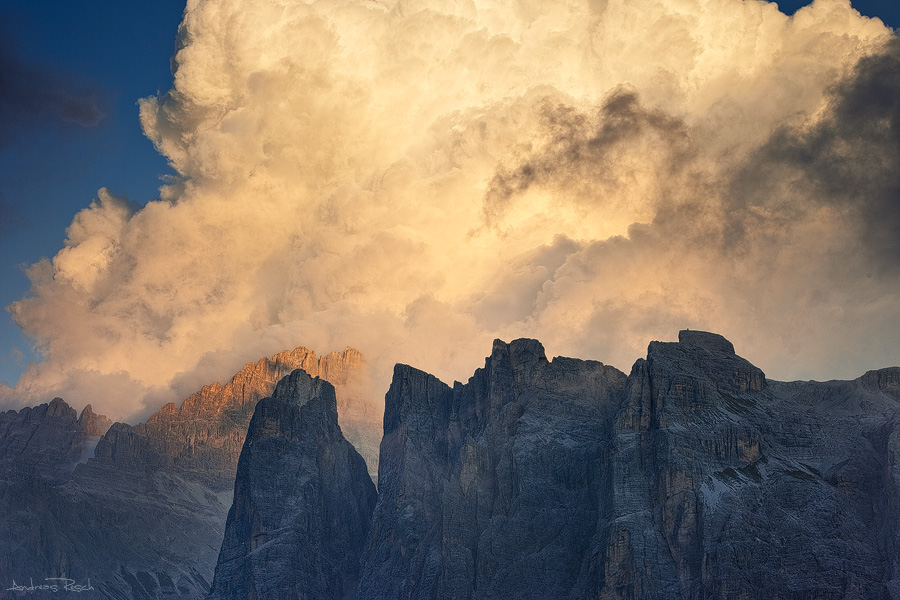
115	51
51	165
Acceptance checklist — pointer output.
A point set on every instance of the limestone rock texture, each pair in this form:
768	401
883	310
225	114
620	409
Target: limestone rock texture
303	501
145	516
491	489
728	485
202	439
695	477
40	447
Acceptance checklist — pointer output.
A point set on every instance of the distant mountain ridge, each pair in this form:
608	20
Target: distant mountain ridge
48	441
204	435
144	517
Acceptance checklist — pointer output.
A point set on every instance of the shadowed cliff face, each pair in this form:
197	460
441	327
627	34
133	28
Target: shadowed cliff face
490	489
39	449
166	485
302	505
695	477
48	441
728	485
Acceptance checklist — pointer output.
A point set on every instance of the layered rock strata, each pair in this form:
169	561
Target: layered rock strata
39	449
695	477
202	439
727	485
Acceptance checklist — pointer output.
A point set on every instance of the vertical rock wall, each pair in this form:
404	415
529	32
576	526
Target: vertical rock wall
302	505
490	489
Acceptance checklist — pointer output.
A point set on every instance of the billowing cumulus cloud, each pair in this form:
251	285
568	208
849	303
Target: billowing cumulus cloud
415	179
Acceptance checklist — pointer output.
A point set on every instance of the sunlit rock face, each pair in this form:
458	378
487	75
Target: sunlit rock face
174	477
302	505
695	477
145	517
203	438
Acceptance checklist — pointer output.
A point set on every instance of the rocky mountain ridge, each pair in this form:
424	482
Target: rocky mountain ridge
205	434
144	517
489	485
48	441
693	477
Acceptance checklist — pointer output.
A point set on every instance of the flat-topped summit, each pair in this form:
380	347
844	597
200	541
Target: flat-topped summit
706	340
884	380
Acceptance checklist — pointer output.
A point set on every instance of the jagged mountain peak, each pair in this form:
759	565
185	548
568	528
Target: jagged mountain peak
205	434
300	533
300	386
47	441
93	424
58	408
158	491
694	478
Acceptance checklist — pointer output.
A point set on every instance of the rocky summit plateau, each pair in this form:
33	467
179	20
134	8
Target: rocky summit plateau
692	477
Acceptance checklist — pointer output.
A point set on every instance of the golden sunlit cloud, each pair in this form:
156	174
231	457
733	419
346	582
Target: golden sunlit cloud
415	179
